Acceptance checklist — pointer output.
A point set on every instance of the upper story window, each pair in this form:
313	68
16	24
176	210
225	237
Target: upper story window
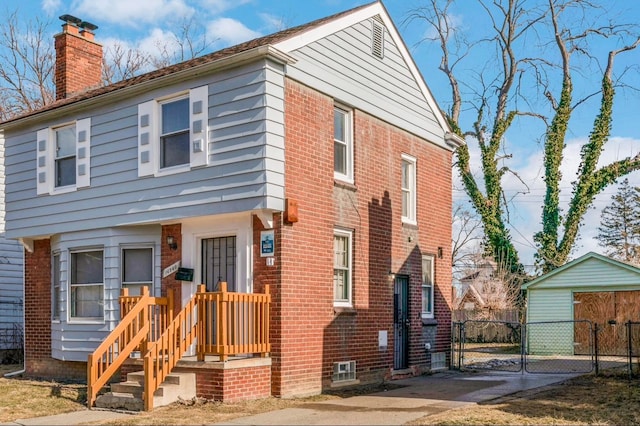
65	156
342	268
427	286
87	285
342	145
408	189
137	269
62	159
174	136
173	133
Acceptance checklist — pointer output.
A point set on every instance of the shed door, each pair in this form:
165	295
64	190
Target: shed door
610	310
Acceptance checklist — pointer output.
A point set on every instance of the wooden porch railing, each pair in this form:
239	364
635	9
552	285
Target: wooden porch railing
232	323
221	323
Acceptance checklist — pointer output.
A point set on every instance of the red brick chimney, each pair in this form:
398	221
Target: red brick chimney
78	58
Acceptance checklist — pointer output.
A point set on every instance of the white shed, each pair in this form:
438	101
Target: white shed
592	288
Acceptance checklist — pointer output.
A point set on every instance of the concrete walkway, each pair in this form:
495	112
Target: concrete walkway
420	396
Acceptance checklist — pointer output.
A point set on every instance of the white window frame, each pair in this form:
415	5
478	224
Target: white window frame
343	302
46	158
72	285
347	143
161	104
428	274
56	286
136	284
409	189
57	159
150	133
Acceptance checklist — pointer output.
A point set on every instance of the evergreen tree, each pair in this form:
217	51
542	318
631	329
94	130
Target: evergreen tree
619	230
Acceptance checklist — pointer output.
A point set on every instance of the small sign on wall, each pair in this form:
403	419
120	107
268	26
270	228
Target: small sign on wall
267	243
170	269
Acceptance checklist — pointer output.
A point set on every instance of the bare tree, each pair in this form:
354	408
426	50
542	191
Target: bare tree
467	236
619	230
26	66
121	62
191	41
507	89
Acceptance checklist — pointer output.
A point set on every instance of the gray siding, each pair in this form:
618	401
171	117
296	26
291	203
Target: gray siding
73	341
245	171
342	66
11	270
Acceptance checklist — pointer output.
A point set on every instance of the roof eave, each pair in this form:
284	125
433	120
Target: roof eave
265	51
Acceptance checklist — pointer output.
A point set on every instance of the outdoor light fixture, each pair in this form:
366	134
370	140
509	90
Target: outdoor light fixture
171	242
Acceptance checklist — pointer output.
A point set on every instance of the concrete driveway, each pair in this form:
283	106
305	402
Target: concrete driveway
420	396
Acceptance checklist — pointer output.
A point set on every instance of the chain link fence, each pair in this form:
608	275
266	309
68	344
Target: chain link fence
542	347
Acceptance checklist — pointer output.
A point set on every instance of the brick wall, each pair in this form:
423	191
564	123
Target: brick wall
168	257
37	318
78	62
311	335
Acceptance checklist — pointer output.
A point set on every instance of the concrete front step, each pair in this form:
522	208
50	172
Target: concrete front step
128	395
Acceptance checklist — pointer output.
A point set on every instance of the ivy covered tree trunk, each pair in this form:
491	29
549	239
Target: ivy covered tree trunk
504	89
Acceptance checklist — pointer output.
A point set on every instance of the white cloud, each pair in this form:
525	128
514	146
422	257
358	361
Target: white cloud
218	6
229	31
273	23
50	6
132	13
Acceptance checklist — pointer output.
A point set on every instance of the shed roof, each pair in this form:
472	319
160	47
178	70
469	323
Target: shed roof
611	272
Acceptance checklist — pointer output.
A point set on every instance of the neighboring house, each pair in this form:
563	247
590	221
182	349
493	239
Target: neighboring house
588	291
11	293
314	161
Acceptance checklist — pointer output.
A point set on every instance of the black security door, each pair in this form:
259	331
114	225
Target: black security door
401	322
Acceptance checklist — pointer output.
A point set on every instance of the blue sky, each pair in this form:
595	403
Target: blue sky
147	23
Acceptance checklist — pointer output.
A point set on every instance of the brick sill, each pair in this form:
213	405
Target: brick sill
344	310
345	185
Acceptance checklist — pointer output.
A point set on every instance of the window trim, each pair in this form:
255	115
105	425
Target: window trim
411	218
54	133
348	302
151	283
430	312
150	126
77	319
348	124
56	316
46	158
159	158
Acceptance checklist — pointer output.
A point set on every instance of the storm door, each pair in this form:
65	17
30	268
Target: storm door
219	262
401	323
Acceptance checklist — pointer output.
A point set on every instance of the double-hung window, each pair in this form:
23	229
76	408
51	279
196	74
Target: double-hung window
173	133
342	145
408	189
174	136
87	285
137	269
65	156
342	268
427	286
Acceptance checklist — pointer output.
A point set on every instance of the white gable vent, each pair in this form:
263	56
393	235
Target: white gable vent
344	371
377	39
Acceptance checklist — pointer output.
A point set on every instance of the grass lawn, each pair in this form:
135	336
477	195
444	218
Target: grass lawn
608	399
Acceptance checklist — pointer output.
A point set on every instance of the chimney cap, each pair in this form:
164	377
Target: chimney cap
70	19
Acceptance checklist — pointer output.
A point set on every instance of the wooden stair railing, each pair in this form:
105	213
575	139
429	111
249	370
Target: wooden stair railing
129	334
163	354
